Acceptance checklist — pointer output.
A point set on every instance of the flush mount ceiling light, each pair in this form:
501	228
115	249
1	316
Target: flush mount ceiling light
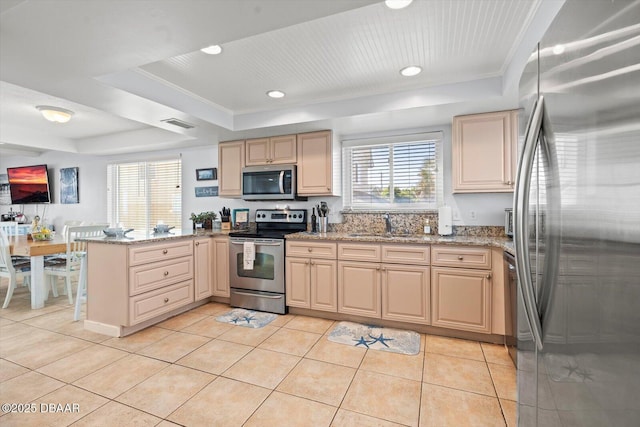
411	70
275	94
397	4
55	114
212	50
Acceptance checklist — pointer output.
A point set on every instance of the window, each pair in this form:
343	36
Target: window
399	172
142	193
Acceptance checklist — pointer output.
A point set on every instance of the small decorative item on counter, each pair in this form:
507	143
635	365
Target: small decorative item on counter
323	220
240	219
314	221
161	227
203	220
117	231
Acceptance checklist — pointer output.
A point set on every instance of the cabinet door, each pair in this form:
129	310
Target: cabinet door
315	165
297	282
324	289
203	263
257	151
221	267
230	164
405	293
484	152
461	299
282	149
359	288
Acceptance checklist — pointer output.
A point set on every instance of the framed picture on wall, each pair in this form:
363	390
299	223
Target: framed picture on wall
69	186
207	174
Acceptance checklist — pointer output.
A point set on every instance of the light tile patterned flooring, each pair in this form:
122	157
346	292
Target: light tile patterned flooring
194	371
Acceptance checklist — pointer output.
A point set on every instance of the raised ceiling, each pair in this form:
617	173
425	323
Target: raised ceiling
123	67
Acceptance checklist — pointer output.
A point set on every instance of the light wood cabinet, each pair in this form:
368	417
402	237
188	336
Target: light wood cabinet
203	277
310	280
220	257
315	164
484	150
461	291
130	284
396	289
274	150
231	160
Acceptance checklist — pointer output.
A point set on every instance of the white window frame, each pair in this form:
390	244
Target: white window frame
348	145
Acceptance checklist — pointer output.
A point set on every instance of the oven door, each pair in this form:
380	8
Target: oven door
267	273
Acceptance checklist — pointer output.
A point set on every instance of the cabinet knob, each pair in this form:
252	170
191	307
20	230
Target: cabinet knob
197	243
328	188
307	262
460	257
488	276
166	300
310	249
166	273
378	268
313	263
165	251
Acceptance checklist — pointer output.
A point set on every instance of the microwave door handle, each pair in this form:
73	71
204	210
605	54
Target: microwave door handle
281	182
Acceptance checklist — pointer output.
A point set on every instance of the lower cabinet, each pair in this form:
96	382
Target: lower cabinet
405	293
203	277
461	299
359	288
310	275
220	262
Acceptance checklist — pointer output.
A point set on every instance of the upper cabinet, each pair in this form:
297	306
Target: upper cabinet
315	164
271	151
484	149
230	164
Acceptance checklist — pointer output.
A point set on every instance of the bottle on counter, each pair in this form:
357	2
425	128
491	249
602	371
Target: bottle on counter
314	221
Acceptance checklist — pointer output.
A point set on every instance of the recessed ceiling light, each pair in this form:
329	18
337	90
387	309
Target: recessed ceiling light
55	114
558	49
275	94
411	70
397	4
212	50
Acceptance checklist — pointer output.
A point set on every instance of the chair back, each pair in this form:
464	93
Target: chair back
76	248
6	266
10	228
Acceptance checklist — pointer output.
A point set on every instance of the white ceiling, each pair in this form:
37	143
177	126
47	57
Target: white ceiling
124	66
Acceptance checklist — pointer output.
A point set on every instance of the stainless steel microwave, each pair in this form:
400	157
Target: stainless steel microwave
269	182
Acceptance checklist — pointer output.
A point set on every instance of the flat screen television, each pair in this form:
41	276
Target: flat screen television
29	184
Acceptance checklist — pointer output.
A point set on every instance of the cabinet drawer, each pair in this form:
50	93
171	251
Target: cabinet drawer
461	256
406	254
150	253
151	304
146	277
299	248
359	252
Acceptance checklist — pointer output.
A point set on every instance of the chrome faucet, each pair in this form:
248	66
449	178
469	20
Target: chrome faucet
387	221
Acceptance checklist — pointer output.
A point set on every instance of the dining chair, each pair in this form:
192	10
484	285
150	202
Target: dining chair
69	265
10	228
12	269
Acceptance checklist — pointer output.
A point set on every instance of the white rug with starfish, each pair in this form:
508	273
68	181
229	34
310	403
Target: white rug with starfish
247	318
376	338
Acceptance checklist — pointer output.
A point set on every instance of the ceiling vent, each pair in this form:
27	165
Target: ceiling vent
179	123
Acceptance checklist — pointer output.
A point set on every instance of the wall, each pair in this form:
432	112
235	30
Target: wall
488	208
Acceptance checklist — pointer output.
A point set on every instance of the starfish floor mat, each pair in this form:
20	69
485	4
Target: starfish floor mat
376	338
247	318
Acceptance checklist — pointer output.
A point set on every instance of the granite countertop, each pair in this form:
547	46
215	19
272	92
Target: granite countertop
134	237
505	243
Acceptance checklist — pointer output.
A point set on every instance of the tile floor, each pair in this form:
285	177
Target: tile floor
194	371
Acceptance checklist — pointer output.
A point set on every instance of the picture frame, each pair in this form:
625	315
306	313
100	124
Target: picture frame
240	219
206	191
207	174
69	186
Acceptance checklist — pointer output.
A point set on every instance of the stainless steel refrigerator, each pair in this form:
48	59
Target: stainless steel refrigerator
577	220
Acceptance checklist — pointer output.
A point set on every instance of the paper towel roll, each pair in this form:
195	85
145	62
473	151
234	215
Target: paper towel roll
445	221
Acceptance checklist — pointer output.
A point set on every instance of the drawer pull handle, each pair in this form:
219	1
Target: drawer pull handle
460	257
165	251
166	300
166	273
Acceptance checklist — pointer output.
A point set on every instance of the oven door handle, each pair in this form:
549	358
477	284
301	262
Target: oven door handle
258	295
235	242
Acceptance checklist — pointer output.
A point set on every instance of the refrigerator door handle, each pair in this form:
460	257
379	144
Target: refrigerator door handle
521	220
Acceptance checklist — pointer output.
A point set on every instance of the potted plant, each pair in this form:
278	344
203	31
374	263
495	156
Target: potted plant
204	218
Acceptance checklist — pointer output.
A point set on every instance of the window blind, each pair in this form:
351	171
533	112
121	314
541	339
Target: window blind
140	194
394	172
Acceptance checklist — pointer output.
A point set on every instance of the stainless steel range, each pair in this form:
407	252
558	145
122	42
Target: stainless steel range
256	260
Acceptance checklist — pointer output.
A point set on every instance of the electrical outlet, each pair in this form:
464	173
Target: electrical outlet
456	215
472	214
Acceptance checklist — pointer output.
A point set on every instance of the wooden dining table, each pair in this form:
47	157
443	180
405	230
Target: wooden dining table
36	250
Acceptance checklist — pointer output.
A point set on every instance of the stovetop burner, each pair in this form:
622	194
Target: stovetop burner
276	223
